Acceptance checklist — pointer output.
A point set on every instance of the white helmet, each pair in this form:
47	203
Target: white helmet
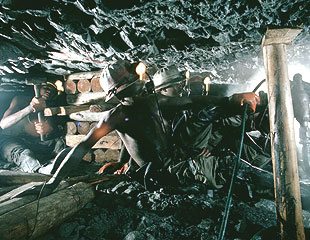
167	76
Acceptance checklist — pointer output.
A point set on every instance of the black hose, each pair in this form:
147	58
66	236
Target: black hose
233	177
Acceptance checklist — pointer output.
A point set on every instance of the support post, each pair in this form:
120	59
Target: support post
283	144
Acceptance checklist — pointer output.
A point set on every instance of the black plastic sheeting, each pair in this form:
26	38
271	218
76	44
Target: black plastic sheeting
219	37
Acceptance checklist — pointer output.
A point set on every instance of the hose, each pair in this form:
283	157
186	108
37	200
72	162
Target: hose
233	177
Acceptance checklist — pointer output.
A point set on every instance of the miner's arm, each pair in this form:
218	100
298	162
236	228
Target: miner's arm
75	156
234	101
17	110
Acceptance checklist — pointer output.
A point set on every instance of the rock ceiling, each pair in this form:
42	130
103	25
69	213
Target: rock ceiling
221	37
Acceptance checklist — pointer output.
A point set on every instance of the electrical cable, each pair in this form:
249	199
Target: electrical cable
235	170
233	177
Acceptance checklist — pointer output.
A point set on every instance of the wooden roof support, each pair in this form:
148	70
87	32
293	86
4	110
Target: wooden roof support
283	144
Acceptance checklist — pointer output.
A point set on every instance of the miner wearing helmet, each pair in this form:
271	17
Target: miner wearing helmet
138	122
169	81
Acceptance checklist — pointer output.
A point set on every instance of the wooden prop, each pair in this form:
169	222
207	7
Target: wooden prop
70	87
84	75
83	85
36	217
64	110
4	190
95	85
112	142
283	144
9	178
86	116
85	98
28	217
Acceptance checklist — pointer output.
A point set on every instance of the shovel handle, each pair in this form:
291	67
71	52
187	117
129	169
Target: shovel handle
40	113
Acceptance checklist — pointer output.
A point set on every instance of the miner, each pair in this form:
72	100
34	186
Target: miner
20	141
138	121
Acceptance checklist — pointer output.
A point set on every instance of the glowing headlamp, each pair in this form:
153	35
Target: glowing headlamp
141	69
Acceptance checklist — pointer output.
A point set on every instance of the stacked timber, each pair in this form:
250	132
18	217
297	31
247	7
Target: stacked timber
84	88
86	104
86	100
105	150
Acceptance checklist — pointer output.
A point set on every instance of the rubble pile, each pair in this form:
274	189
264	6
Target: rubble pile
127	211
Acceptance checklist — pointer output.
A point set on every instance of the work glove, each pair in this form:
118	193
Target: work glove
250	98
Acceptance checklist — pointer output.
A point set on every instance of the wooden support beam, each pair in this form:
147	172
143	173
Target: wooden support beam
64	110
87	116
84	75
35	218
89	98
113	142
85	98
9	178
283	144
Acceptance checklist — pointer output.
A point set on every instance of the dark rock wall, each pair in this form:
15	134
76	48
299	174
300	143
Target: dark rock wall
220	37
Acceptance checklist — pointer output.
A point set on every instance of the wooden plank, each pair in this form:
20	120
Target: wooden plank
9	195
8	178
113	142
280	36
85	98
84	75
64	110
83	85
4	190
87	116
94	114
33	219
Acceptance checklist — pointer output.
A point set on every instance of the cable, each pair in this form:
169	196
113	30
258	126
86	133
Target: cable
233	177
37	212
258	85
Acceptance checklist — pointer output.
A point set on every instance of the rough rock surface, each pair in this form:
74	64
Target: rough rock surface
221	38
126	211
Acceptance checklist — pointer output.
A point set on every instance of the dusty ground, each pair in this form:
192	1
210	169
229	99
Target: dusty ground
125	210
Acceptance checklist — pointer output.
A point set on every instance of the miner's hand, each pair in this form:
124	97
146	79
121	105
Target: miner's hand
37	104
123	169
110	168
250	98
